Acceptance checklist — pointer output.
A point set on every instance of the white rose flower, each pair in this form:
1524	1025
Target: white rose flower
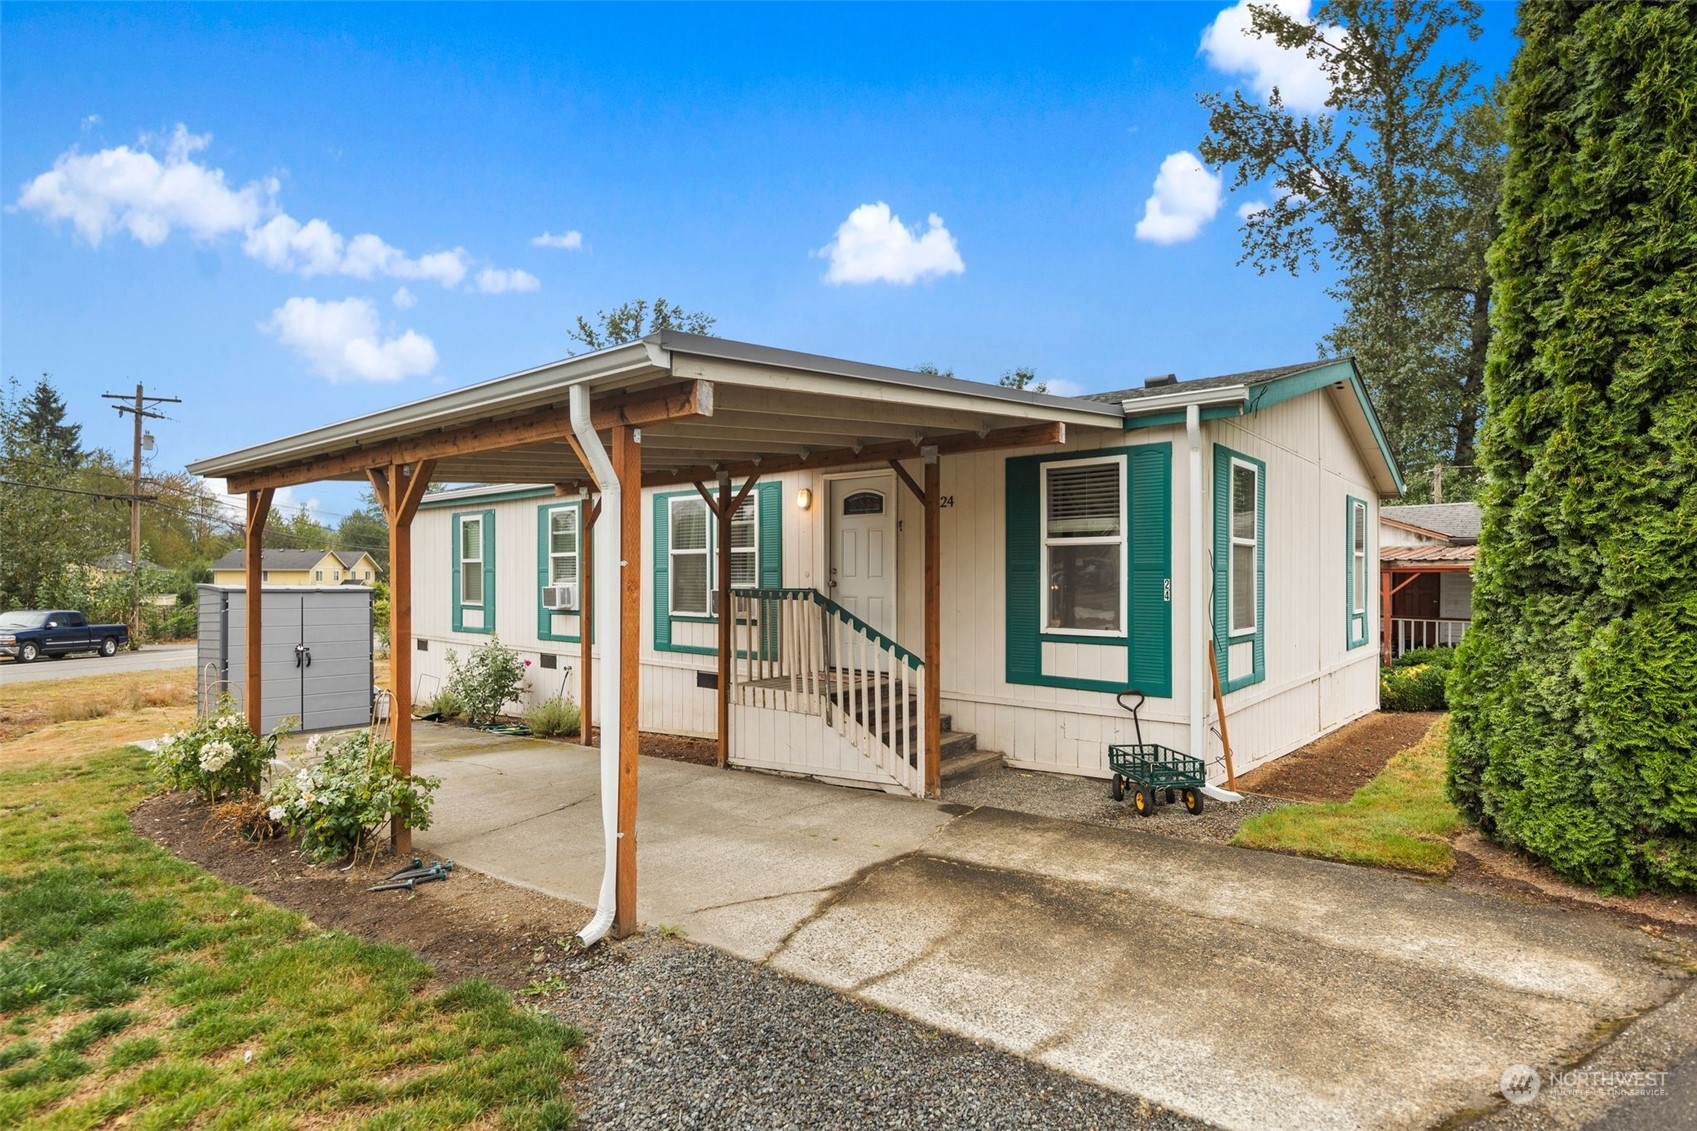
276	812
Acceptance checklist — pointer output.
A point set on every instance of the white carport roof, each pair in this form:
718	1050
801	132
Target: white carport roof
704	404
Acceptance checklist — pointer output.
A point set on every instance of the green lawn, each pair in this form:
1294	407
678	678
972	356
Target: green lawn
135	985
1400	819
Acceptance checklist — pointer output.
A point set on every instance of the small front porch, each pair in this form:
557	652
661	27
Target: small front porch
1426	597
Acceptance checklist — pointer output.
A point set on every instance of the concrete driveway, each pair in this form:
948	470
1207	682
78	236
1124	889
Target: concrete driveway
1247	989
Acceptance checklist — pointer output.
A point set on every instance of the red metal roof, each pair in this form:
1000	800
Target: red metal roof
1415	555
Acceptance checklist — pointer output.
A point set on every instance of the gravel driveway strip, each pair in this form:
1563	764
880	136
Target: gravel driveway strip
682	1036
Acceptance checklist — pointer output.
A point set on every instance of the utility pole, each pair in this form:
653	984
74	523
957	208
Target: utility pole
141	407
1437	482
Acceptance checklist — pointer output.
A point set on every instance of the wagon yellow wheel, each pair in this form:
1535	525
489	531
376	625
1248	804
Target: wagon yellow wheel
1118	790
1193	800
1143	801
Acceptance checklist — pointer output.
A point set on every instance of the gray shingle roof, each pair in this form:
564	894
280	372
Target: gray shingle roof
1459	522
285	559
1251	378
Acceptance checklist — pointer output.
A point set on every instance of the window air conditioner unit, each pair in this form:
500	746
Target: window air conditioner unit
560	598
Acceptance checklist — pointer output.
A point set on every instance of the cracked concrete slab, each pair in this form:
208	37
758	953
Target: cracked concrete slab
733	859
1243	988
1247	989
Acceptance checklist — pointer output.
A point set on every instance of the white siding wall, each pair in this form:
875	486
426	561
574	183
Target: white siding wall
1313	683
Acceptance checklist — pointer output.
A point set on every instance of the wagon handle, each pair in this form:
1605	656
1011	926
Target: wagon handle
1136	723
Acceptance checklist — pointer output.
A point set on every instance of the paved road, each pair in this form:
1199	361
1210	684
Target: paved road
1246	989
75	667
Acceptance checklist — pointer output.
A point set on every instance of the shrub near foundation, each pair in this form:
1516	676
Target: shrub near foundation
488	679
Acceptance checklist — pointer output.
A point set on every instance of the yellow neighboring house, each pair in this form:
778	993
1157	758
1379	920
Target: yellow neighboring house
298	567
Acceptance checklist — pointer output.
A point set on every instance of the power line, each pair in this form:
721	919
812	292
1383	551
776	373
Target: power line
108	496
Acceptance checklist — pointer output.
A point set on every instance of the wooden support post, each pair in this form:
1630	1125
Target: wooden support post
933	626
399	494
1385	615
586	617
627	465
723	511
258	510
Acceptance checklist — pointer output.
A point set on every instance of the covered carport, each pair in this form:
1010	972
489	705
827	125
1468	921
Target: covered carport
669	409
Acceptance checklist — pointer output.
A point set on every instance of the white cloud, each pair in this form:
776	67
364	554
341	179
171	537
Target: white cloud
566	241
1061	387
342	341
404	299
1186	197
1251	208
873	246
124	189
1231	47
495	281
91	121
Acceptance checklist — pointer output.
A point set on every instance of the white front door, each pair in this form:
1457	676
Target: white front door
863	548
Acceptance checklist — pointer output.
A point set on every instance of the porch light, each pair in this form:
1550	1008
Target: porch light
803	498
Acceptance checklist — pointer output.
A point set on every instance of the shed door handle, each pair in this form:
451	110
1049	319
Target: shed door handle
302	651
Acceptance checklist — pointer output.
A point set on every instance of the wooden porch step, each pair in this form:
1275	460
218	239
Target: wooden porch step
969	764
957	744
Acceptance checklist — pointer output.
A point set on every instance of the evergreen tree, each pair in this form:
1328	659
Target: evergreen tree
1575	691
46	426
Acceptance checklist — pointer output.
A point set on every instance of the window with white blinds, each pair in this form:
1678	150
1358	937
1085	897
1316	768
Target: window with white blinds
562	546
1084	546
1245	545
471	561
693	565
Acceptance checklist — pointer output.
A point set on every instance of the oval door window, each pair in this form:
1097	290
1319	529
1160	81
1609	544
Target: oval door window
864	502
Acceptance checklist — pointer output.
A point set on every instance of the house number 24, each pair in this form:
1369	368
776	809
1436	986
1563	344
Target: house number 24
944	502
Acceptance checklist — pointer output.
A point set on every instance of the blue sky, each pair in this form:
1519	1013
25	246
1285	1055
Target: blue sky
290	215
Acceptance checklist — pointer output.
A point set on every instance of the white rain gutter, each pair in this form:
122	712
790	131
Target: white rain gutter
608	543
1199	636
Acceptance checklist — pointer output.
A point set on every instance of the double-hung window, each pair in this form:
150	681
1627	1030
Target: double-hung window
471	561
1084	535
1245	546
1357	572
694	568
562	546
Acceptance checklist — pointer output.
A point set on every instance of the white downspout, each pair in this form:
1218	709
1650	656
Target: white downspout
1194	585
609	580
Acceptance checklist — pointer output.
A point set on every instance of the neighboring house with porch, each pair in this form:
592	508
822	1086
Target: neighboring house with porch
1065	577
1426	574
299	567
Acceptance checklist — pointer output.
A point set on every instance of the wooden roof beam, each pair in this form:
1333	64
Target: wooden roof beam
689	398
958	443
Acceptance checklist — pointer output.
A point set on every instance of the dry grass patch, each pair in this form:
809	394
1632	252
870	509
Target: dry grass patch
29	707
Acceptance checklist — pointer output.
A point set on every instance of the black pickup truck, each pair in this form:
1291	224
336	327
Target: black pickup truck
30	633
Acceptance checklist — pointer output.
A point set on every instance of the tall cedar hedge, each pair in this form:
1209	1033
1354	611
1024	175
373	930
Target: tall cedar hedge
1575	691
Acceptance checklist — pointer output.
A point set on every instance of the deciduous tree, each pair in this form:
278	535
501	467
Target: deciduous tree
632	320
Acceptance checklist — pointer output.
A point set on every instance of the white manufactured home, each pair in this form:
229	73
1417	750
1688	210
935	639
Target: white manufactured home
821	562
1068	572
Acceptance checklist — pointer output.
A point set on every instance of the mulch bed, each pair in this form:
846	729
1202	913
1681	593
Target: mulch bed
467	926
1333	767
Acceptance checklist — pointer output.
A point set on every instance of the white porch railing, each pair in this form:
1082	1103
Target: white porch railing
1409	633
798	651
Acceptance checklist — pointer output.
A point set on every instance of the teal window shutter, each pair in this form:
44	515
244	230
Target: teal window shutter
1021	504
489	571
544	618
770	516
1223	639
662	574
454	571
1149	488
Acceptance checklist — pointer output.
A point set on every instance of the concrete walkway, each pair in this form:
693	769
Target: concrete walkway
1247	989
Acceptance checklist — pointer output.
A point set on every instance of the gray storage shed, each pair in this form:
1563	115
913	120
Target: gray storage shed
316	658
